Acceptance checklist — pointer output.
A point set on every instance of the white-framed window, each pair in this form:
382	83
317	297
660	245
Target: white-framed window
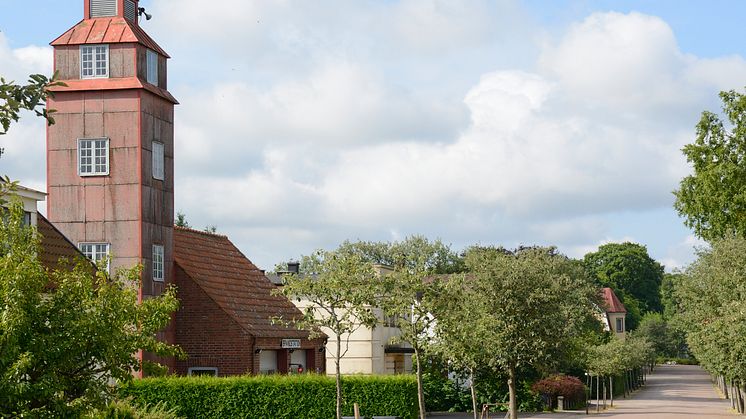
211	371
94	61
93	156
152	67
158	161
95	251
620	325
158	272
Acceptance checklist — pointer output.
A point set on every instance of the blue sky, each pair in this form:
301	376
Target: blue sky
496	122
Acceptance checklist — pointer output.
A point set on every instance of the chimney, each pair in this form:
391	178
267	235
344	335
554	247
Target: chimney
294	267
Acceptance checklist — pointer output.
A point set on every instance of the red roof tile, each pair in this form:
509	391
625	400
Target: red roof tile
109	30
54	245
613	305
237	286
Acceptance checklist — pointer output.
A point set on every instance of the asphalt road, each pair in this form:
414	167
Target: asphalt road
671	392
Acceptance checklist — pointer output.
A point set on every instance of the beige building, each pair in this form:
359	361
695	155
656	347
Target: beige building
369	351
614	313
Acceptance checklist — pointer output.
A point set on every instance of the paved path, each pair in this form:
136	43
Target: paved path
671	392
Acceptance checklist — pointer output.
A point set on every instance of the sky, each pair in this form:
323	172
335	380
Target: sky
302	124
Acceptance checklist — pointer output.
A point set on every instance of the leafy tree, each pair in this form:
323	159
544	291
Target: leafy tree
713	199
181	220
335	287
414	251
15	98
631	272
67	335
713	308
530	302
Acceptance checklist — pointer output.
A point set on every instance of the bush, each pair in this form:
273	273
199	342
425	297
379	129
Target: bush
444	395
122	409
298	396
571	388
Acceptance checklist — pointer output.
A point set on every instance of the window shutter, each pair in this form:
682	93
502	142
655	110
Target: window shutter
102	8
129	10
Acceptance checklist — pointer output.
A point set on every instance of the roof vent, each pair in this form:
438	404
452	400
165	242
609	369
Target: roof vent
130	10
103	8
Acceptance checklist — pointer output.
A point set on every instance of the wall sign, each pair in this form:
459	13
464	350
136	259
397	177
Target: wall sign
291	343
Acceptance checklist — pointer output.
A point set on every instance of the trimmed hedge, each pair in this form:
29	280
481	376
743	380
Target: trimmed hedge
277	396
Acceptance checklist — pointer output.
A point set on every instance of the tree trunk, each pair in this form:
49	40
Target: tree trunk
598	393
513	408
473	392
420	392
338	377
604	386
611	389
741	391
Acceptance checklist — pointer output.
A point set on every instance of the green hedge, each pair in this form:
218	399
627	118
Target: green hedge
297	396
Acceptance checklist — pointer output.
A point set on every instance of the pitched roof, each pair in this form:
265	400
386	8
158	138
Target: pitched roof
107	30
113	84
236	285
613	305
54	245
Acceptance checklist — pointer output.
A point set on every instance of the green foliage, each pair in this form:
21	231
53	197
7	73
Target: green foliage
631	272
712	295
298	396
67	335
667	340
123	409
414	252
713	199
443	394
181	220
14	98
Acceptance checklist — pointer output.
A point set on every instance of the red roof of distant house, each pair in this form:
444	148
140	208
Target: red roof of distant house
613	305
107	30
236	285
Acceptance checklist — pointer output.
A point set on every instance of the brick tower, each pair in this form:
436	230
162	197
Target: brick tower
110	154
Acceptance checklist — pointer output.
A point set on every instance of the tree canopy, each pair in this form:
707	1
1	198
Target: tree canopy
67	335
712	200
632	273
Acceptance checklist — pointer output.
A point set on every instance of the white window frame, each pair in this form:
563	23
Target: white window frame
159	267
93	164
620	322
95	254
213	369
151	68
94	61
159	160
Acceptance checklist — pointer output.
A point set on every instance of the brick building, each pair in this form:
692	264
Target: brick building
110	167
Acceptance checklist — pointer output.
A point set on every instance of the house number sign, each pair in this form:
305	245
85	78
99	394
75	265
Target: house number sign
291	343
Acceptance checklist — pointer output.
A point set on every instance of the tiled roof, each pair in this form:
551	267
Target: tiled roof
54	245
613	305
237	286
107	30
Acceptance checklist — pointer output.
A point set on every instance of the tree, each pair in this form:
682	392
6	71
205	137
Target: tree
713	199
67	335
631	272
15	98
531	301
335	287
181	220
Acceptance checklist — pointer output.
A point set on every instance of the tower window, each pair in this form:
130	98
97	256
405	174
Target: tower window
103	8
93	156
158	263
95	251
152	61
94	61
158	161
619	325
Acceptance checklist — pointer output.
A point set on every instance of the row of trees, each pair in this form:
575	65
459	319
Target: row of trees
492	309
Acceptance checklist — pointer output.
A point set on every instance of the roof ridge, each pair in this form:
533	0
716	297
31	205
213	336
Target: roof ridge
206	233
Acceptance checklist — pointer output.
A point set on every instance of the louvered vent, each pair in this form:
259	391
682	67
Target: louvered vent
129	10
102	8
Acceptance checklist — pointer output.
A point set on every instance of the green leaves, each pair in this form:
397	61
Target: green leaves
713	199
67	336
14	98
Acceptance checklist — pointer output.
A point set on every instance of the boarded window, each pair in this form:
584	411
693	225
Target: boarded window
158	161
130	12
102	8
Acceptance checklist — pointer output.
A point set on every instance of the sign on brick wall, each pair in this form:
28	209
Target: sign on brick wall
291	343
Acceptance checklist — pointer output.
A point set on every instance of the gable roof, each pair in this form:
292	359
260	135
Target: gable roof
107	30
613	305
54	245
236	285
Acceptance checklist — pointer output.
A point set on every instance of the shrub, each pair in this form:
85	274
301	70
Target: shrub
444	395
298	396
123	409
571	388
